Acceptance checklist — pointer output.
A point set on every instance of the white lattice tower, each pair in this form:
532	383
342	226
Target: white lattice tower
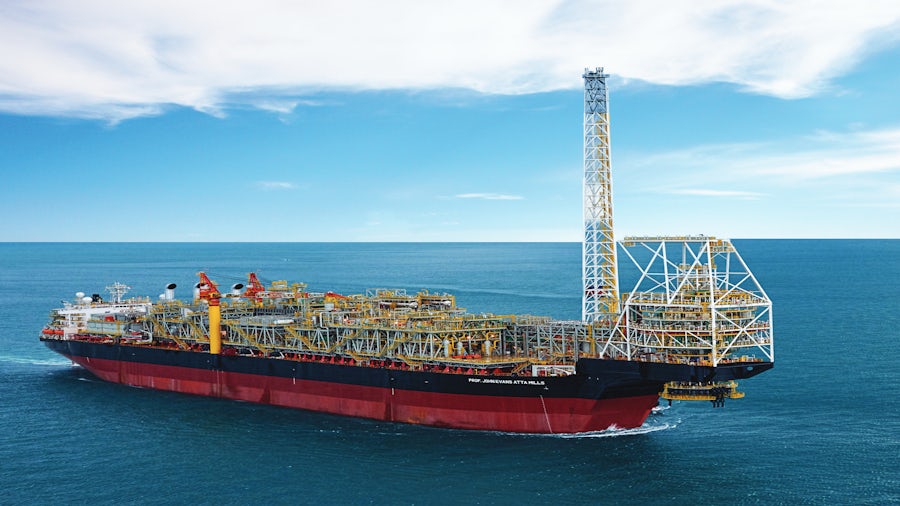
599	275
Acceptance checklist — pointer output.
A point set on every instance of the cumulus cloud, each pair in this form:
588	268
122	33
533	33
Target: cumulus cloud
114	60
488	196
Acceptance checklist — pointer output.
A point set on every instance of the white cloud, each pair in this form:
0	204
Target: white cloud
276	185
859	168
837	154
114	60
828	155
488	196
702	192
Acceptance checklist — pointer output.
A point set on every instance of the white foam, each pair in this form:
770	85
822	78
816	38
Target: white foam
616	432
49	362
610	432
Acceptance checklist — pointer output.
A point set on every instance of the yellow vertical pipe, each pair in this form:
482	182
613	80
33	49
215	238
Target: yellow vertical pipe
215	327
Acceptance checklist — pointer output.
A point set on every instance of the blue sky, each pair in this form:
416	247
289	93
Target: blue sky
406	121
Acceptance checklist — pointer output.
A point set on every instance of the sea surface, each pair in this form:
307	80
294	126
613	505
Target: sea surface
822	427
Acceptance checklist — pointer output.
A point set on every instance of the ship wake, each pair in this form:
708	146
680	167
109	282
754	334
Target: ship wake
655	423
47	362
617	432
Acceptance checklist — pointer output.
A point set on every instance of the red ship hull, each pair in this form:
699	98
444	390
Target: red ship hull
536	414
601	394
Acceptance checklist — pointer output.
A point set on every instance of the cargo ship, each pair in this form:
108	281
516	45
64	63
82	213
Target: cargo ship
695	322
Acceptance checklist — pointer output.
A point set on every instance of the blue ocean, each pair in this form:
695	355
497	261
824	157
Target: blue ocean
822	427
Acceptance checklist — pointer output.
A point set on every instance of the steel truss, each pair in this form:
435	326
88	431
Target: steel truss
599	278
695	300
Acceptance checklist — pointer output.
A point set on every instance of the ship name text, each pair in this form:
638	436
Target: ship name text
507	381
